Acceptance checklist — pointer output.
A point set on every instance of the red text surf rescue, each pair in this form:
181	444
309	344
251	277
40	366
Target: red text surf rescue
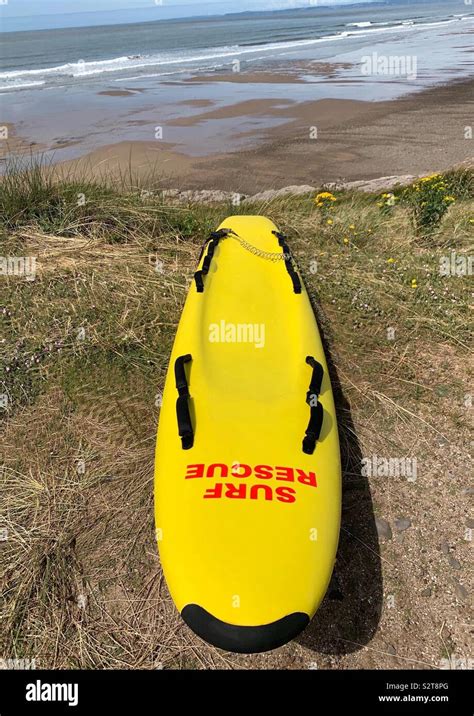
256	490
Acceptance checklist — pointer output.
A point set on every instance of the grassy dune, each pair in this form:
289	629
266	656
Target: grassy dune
84	351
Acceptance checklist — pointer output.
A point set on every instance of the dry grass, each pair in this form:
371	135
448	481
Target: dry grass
85	350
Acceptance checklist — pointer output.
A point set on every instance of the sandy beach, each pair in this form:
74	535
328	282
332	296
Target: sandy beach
353	140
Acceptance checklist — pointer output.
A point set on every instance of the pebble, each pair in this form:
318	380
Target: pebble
461	591
470	523
427	592
468	491
391	649
444	547
402	523
384	530
453	562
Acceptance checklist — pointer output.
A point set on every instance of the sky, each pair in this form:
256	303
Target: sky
32	8
18	8
45	14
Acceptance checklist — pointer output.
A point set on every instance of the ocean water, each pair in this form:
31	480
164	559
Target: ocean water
88	56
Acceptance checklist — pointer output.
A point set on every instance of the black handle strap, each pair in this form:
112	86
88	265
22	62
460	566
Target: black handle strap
313	431
211	245
185	426
295	279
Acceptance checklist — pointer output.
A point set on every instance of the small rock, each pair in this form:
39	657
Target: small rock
468	491
453	562
470	523
374	185
391	649
275	193
444	547
203	196
401	524
427	592
384	530
460	591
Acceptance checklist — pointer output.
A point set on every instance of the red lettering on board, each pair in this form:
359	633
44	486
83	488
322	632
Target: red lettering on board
285	473
307	479
214	492
258	491
239	470
236	492
264	472
212	468
285	494
194	471
266	489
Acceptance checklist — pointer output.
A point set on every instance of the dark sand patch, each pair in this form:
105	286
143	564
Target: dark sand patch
117	93
197	103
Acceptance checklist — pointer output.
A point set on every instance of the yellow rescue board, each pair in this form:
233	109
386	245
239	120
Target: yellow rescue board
248	497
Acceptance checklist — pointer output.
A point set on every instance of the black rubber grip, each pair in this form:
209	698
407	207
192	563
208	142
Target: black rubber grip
293	274
185	427
210	245
313	431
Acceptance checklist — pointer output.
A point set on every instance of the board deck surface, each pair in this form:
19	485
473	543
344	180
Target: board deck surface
247	522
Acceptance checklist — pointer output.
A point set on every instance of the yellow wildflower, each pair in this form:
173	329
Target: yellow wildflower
325	196
431	177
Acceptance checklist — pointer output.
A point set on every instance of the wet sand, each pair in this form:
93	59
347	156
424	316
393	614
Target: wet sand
278	74
296	72
12	143
313	142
